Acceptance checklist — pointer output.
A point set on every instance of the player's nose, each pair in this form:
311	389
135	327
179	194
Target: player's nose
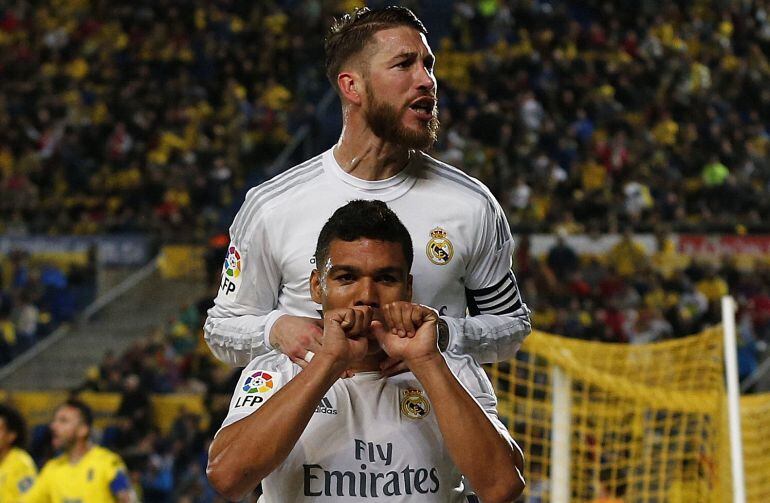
425	78
367	294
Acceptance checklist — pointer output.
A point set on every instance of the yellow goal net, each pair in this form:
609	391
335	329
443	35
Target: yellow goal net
611	423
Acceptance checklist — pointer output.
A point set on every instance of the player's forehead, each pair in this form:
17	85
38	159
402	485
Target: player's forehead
366	254
392	42
67	412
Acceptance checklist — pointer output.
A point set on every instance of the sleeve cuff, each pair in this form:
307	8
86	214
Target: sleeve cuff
269	322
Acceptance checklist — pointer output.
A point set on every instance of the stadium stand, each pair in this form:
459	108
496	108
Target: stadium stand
583	117
38	293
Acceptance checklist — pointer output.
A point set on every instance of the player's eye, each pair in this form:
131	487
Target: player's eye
344	277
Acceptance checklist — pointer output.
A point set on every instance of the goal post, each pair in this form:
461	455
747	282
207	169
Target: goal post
560	435
733	399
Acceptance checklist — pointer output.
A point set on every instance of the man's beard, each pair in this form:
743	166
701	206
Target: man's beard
385	121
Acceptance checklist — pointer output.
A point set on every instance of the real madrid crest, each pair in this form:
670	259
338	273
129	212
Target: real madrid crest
414	405
439	249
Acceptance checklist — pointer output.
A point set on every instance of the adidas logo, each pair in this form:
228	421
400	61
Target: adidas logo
325	407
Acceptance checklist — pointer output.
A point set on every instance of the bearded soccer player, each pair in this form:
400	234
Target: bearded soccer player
381	66
83	471
17	470
308	435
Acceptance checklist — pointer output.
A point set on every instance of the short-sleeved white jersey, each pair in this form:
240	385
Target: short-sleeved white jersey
370	438
462	255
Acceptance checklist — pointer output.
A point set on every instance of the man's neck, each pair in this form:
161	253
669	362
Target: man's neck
79	450
368	157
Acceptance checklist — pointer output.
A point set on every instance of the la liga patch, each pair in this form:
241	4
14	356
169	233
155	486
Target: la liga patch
231	272
254	387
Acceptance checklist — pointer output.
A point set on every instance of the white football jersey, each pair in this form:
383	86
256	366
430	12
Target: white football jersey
462	255
370	439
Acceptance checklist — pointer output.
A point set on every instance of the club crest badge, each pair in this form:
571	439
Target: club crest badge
414	405
439	249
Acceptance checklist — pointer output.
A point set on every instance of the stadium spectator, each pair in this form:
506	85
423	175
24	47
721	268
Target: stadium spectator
627	257
134	414
562	259
26	315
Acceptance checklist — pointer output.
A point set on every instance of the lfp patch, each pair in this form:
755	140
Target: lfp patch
231	272
258	382
232	265
254	388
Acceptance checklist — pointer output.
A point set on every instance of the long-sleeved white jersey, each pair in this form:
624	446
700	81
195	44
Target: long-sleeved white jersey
462	255
371	438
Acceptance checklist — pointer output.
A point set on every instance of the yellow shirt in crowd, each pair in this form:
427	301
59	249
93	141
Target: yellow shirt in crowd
97	477
17	473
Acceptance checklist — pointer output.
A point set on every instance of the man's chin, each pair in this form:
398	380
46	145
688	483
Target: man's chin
421	136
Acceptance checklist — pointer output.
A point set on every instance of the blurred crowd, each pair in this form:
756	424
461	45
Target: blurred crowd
147	116
120	116
608	114
629	296
581	116
36	297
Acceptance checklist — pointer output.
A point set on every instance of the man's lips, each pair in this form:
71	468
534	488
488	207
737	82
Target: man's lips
424	107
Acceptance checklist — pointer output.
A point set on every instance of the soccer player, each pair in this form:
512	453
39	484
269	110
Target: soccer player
308	435
17	470
381	66
83	471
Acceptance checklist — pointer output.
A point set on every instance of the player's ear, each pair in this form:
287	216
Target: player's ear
315	287
350	84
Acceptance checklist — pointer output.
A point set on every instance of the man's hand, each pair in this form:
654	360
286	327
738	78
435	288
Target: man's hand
346	335
409	333
295	336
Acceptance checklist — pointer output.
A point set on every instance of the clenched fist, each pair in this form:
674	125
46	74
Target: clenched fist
346	334
408	332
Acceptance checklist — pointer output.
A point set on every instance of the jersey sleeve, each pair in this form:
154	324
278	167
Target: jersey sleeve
499	319
24	476
244	308
40	491
117	474
256	384
475	380
20	472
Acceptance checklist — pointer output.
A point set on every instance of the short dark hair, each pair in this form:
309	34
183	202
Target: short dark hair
363	219
15	423
352	32
85	411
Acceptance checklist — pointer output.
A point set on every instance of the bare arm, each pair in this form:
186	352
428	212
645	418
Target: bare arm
467	431
245	452
466	428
